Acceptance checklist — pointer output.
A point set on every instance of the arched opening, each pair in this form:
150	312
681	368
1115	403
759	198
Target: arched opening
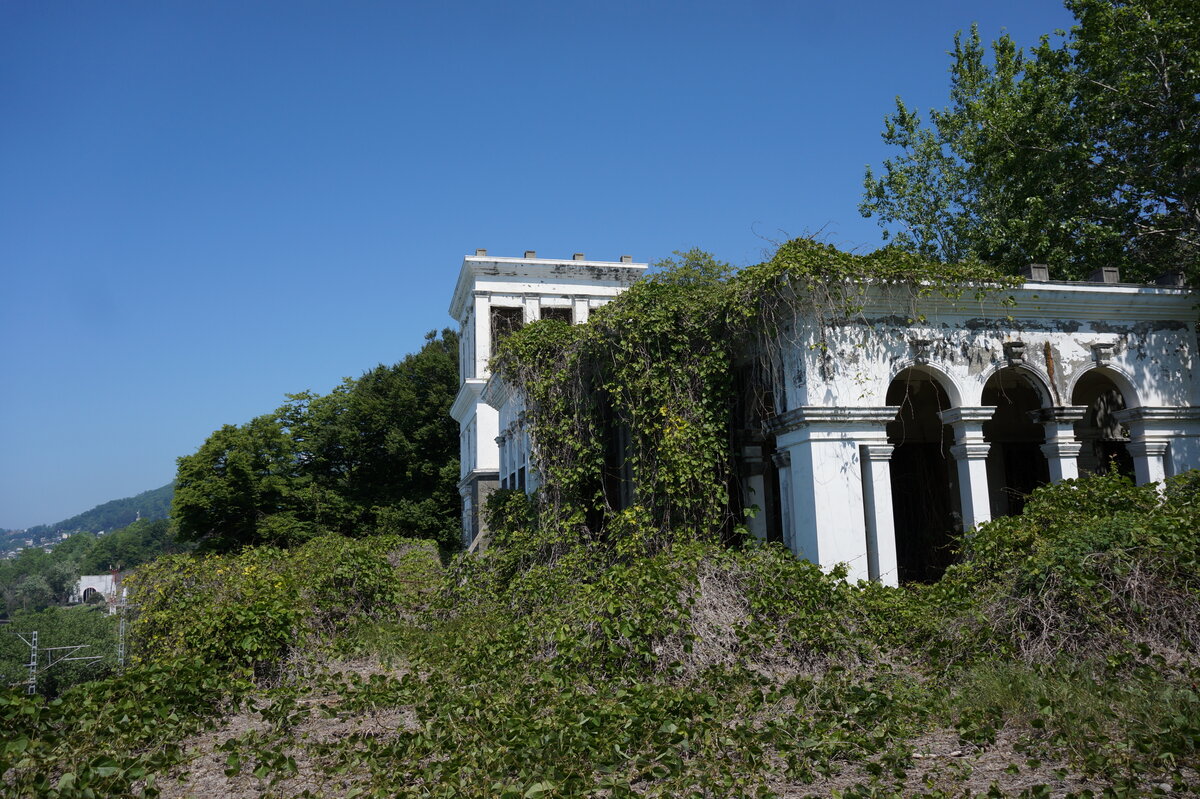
91	596
1015	463
1102	436
924	479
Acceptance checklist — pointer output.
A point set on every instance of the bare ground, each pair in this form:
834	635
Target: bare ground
203	774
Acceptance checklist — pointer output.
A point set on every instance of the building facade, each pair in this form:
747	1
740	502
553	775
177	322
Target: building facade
494	296
894	431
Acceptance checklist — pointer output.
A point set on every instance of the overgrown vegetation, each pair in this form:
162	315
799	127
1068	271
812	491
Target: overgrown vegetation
621	635
86	626
1039	665
655	370
264	607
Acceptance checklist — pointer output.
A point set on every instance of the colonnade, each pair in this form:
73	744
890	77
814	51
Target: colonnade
836	484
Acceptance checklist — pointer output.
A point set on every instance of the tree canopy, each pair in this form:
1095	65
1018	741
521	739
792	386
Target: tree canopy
1078	154
378	454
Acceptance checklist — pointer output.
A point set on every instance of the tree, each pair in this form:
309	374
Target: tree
90	626
378	454
239	488
386	445
33	592
130	546
1078	154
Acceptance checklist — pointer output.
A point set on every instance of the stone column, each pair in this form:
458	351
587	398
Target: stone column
829	513
483	334
1061	448
970	453
1155	432
783	472
882	565
1149	459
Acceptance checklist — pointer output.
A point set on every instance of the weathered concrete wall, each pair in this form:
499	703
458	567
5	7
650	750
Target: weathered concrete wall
494	447
837	376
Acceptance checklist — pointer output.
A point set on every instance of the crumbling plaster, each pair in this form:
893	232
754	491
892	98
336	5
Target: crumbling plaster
833	414
1143	336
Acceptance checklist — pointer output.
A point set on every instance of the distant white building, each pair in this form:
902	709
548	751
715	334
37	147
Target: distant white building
107	586
890	436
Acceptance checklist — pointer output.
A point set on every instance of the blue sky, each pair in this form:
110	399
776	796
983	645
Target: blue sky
207	205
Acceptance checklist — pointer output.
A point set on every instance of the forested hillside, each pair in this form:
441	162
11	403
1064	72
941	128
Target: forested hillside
153	504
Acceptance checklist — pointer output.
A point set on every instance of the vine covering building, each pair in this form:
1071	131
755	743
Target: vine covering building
891	432
493	297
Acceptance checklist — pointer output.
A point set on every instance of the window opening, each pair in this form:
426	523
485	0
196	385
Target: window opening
505	321
559	312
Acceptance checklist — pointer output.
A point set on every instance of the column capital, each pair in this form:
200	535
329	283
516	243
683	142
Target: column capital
1059	414
970	451
1147	447
967	415
836	417
1061	449
877	452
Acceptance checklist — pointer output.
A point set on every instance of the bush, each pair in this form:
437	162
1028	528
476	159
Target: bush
257	607
1092	566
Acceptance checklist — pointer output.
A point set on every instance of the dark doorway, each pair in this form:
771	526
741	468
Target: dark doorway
924	478
1015	464
1103	438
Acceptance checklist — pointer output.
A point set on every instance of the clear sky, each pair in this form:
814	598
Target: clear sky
206	205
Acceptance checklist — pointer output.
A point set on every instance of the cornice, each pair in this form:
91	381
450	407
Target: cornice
814	415
497	391
1099	302
1146	413
611	273
467	398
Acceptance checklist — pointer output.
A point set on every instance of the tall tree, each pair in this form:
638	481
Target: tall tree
376	454
1077	154
240	488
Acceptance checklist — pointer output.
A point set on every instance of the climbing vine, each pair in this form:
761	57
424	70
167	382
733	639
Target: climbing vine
636	414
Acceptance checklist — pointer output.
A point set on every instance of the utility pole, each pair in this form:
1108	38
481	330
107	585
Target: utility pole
68	654
31	687
121	633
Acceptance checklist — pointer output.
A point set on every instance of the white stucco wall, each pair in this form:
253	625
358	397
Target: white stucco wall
1142	338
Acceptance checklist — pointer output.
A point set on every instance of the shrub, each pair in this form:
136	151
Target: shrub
1092	566
257	607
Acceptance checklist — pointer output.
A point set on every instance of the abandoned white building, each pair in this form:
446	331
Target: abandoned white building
924	428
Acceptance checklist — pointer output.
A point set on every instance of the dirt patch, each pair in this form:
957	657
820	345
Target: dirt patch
306	743
942	764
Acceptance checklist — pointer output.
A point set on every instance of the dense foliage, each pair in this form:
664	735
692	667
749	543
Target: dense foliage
377	455
255	608
1078	154
673	369
1057	658
86	626
129	547
36	579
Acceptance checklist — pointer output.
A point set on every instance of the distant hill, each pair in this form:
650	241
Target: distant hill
154	504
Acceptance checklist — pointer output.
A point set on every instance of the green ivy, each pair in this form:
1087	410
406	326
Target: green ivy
659	362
